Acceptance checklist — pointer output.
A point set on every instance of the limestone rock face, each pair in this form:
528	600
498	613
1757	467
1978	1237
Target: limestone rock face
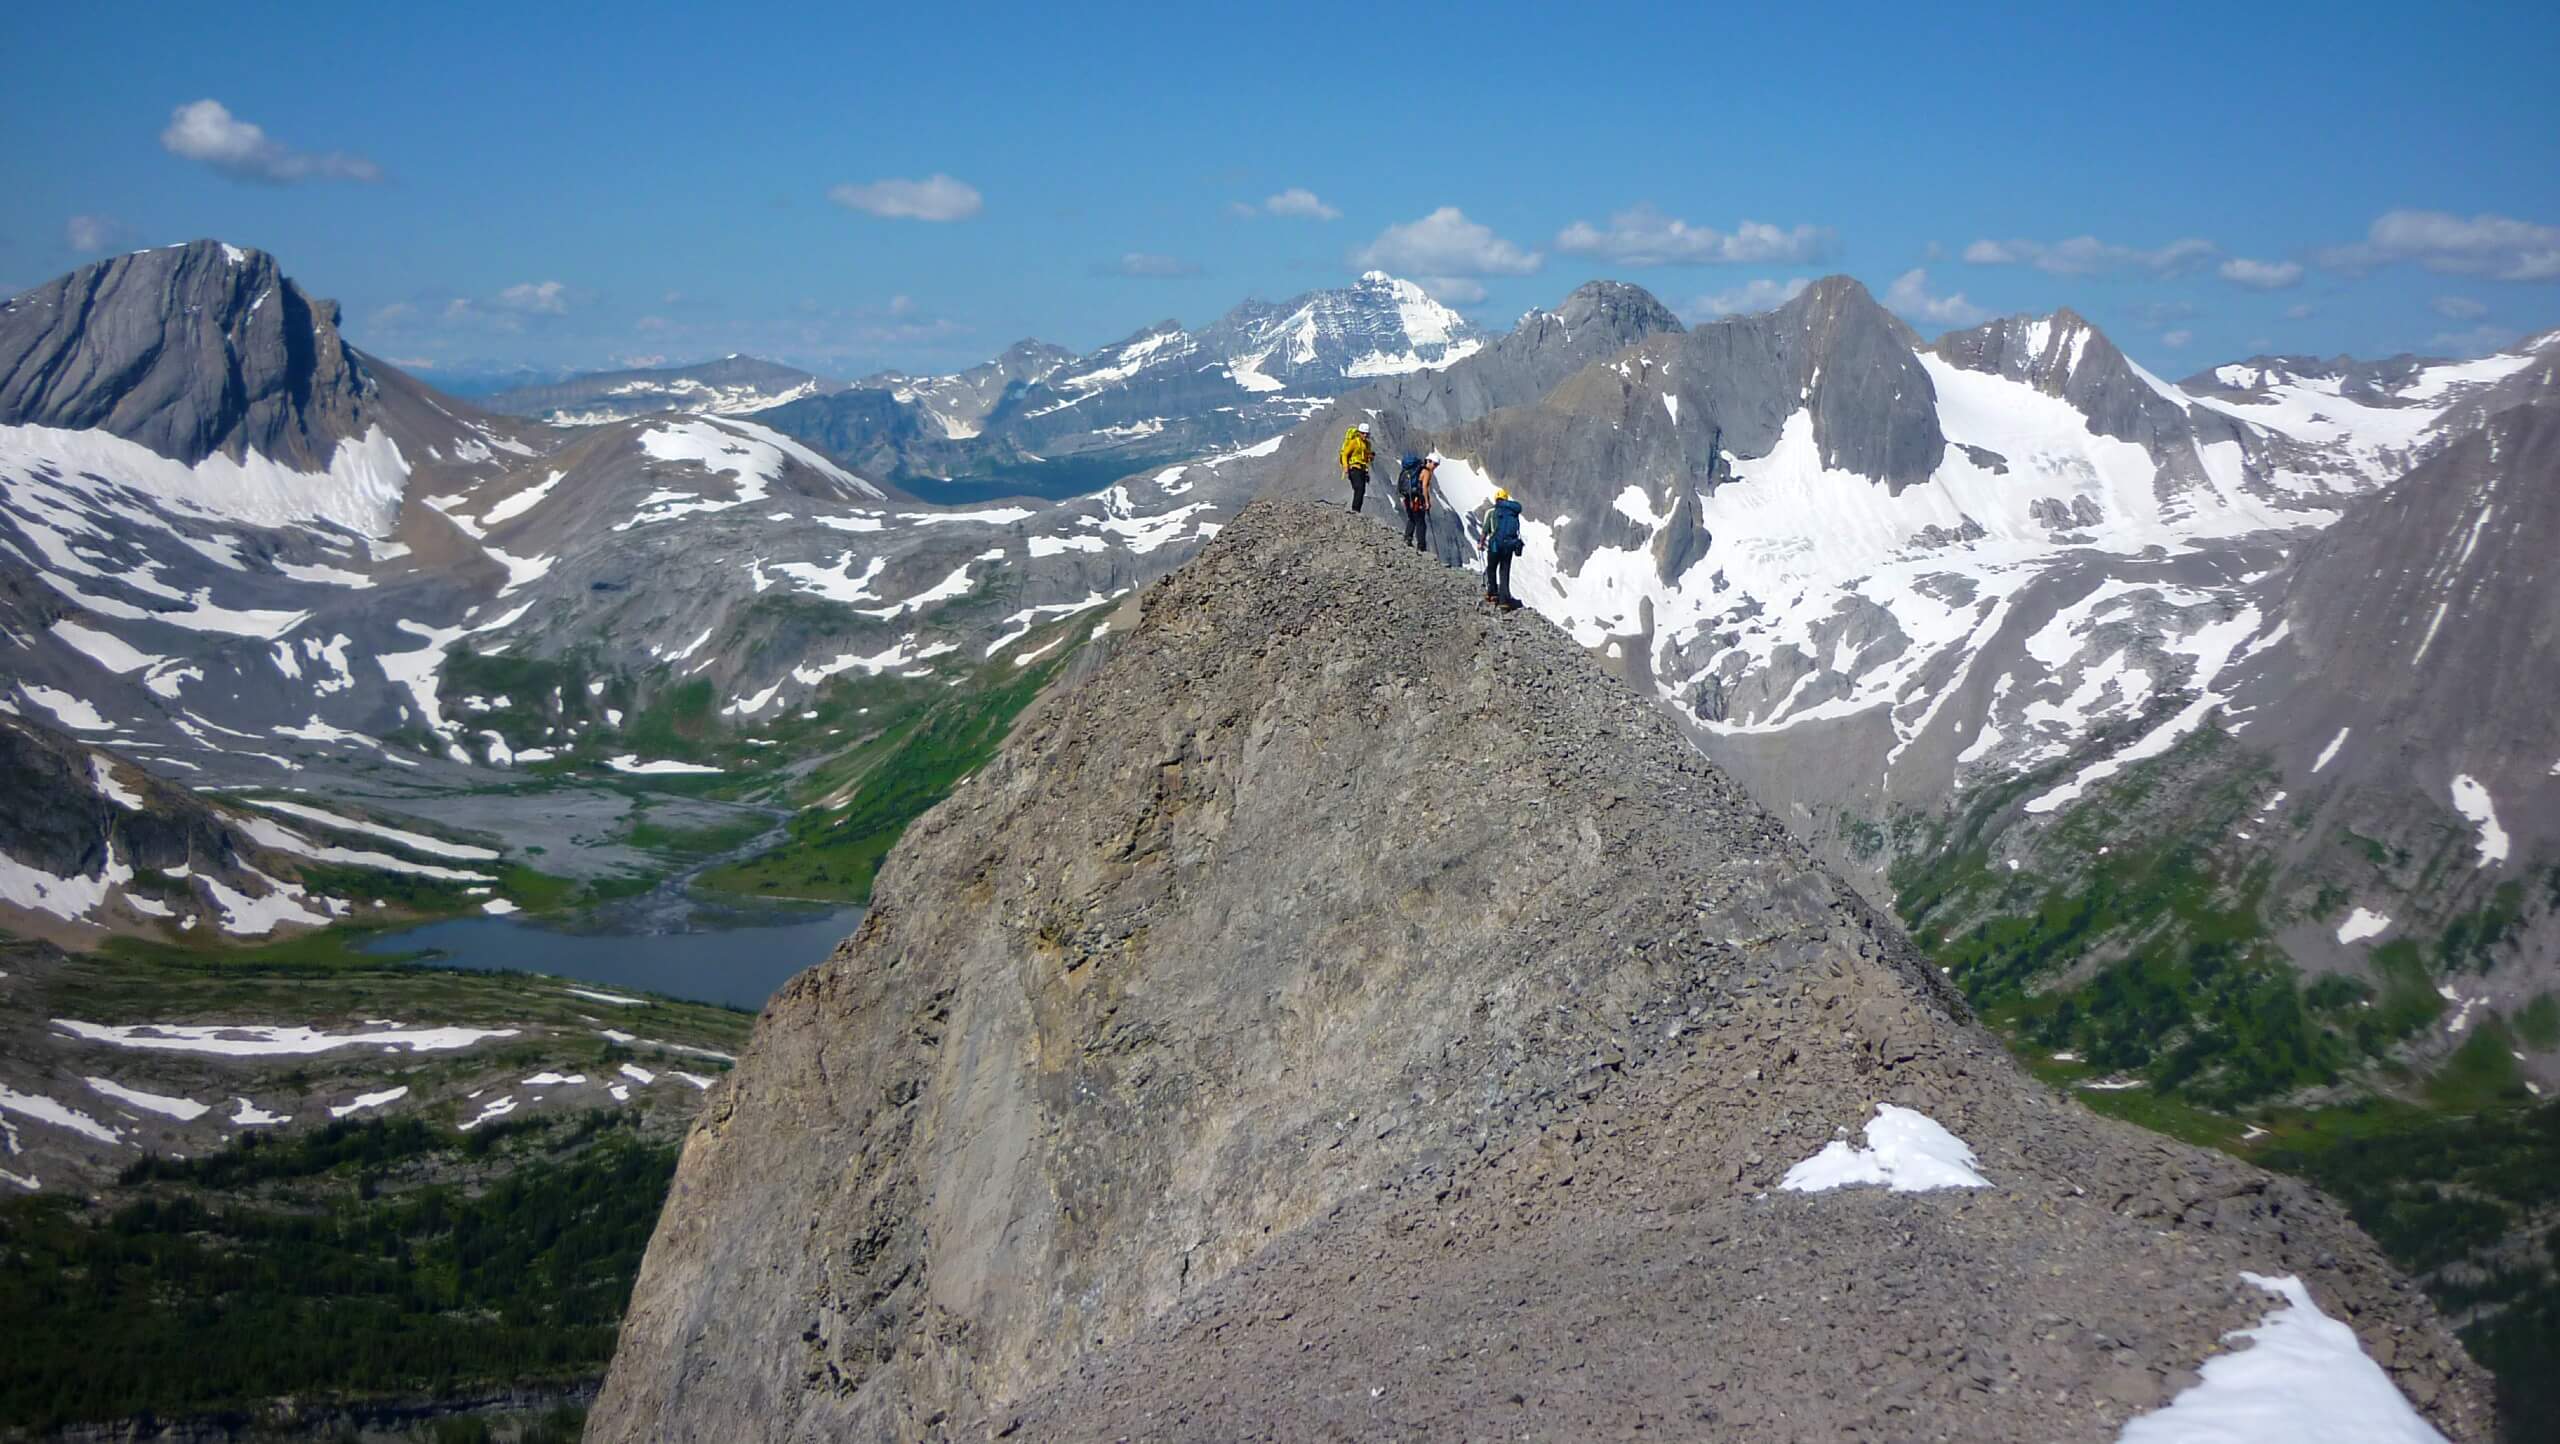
189	350
1350	1011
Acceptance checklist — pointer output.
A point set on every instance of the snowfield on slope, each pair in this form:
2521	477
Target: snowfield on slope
2302	1379
1907	1151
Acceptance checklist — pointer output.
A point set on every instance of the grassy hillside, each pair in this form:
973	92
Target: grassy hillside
916	741
2131	951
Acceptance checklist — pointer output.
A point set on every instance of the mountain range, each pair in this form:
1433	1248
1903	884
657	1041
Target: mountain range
2007	553
1046	421
2201	730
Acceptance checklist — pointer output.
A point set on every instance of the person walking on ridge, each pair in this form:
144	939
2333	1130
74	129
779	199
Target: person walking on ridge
1413	486
1356	452
1501	543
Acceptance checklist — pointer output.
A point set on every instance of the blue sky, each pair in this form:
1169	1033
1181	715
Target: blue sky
917	186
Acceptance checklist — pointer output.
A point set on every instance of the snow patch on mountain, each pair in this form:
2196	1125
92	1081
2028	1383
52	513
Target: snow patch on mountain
2213	647
2303	1379
360	490
2473	801
1907	1151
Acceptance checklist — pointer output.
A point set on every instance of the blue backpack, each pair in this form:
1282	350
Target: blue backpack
1504	535
1409	478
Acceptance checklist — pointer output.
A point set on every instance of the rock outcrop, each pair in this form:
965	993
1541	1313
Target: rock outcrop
90	841
1349	1011
190	350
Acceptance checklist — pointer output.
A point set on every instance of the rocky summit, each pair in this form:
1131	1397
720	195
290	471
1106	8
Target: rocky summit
1349	1012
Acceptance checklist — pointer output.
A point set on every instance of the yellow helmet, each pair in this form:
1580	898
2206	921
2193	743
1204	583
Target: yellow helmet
1502	493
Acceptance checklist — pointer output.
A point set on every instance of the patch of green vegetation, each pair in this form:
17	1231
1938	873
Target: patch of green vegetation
321	976
2161	1113
438	897
2151	949
678	723
566	1424
359	1261
2470	940
2437	1191
406	892
326	949
2369	848
2481	1074
2200	999
2137	936
2409	1001
535	891
2538	1022
688	843
545	698
926	739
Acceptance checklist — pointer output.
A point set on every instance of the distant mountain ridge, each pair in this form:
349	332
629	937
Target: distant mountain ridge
731	386
1059	424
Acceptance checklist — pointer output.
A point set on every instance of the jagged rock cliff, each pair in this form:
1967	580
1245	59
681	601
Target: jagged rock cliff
1348	1009
190	350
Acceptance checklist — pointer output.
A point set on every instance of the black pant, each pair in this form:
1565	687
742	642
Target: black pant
1497	573
1417	527
1359	476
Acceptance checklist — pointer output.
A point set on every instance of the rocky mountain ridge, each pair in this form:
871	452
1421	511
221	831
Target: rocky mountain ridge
1056	424
1428	987
734	385
192	351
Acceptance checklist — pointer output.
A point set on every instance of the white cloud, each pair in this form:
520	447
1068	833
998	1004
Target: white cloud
1453	290
2301	311
2089	256
1751	296
935	198
1150	267
538	298
1643	236
89	235
2459	308
2261	275
2499	247
1909	294
1300	201
1446	244
2176	339
207	131
392	317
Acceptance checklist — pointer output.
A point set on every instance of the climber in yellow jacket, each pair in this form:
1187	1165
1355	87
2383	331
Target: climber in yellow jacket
1355	462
